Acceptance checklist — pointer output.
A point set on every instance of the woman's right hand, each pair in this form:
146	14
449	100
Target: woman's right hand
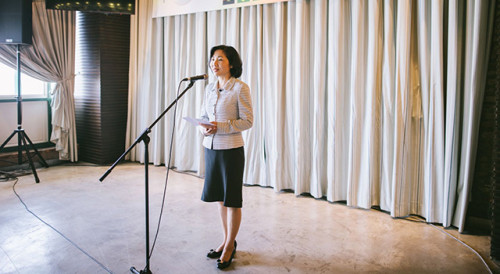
209	130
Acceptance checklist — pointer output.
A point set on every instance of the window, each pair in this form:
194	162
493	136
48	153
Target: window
30	87
35	108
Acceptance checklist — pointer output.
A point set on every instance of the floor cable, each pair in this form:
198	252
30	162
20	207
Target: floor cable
466	245
7	176
418	219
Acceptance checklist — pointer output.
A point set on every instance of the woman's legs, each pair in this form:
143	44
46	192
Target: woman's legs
231	178
223	218
232	226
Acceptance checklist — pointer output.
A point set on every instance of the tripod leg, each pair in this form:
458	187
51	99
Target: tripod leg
8	139
36	151
29	157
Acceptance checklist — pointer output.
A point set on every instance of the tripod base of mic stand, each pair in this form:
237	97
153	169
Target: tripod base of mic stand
145	271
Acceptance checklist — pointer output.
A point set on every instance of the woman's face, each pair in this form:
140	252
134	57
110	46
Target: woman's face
219	64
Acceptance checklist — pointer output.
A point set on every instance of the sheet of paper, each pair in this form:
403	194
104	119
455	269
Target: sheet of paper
197	122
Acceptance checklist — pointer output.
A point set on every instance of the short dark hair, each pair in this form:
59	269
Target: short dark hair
232	56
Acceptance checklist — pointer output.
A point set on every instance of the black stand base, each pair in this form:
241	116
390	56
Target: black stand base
23	141
145	271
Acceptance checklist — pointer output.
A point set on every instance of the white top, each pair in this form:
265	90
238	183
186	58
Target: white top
231	108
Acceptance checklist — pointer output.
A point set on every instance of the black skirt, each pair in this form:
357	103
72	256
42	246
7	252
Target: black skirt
224	176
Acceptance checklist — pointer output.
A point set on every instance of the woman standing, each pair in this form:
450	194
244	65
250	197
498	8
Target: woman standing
228	107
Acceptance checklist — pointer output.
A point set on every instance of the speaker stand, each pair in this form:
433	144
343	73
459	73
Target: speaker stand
23	141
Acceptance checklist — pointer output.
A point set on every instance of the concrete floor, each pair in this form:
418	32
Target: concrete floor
280	233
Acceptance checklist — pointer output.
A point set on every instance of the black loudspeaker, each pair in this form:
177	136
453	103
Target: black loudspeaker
15	22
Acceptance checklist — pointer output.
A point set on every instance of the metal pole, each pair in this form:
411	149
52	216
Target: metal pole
19	109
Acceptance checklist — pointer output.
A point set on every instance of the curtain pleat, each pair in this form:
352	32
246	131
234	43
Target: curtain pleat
298	103
454	90
430	42
349	97
251	48
401	111
479	18
139	77
273	98
319	11
338	67
387	104
365	90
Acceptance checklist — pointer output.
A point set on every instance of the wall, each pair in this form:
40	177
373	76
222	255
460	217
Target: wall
35	121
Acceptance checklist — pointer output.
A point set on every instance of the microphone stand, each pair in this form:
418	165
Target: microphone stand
145	138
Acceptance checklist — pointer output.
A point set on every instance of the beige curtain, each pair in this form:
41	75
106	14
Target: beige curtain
51	58
349	96
473	57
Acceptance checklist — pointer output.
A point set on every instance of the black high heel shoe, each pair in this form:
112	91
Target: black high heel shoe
214	254
221	264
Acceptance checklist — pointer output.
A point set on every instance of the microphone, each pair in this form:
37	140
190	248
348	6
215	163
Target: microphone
195	78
